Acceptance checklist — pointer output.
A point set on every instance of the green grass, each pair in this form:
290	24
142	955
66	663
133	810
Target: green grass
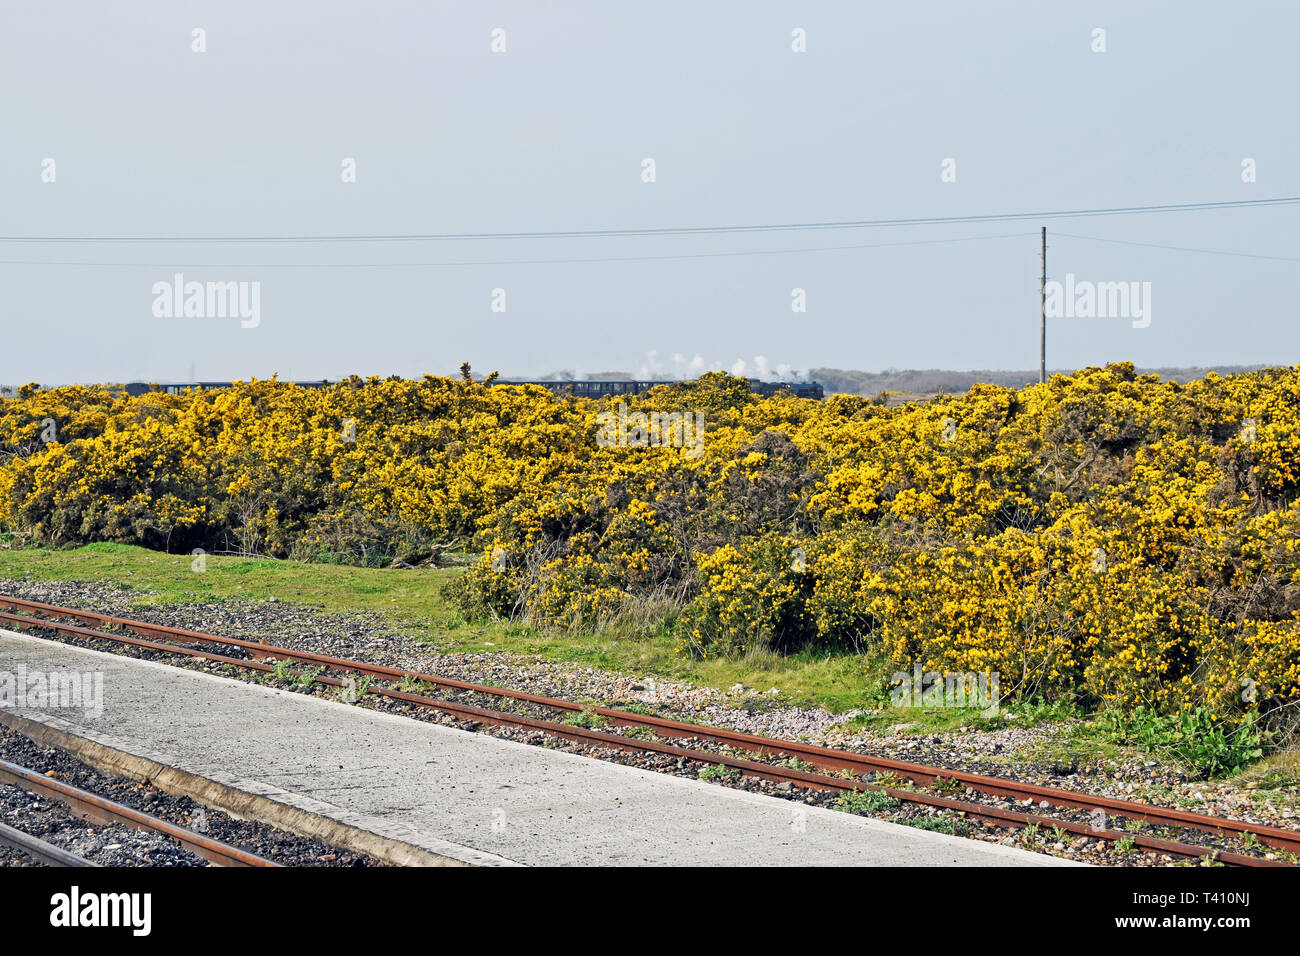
719	772
865	802
923	720
1276	772
1206	745
409	601
587	719
1080	746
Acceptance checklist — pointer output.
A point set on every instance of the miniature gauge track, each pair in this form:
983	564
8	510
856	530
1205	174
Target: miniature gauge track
92	807
848	766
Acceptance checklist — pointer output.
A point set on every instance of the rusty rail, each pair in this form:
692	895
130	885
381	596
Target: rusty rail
90	806
37	848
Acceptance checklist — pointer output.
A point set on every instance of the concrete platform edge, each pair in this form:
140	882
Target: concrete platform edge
244	804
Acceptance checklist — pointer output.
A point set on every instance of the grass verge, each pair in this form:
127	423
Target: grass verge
409	601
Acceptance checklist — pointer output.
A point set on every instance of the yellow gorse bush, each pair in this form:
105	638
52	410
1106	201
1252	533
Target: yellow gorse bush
1104	535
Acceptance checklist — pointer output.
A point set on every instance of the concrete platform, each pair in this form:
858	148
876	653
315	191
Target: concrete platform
459	797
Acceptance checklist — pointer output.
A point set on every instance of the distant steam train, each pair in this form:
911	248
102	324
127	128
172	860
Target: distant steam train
584	389
596	388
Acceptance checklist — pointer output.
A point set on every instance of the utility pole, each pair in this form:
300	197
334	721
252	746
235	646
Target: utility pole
1042	328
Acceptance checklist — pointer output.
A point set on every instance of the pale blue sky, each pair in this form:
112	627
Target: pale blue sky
151	139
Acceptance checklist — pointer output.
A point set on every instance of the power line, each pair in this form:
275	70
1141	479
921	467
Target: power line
681	230
1154	245
506	262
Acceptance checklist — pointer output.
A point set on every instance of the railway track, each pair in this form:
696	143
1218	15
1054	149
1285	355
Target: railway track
100	810
38	849
833	770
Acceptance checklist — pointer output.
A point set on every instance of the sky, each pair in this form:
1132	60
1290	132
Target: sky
898	111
